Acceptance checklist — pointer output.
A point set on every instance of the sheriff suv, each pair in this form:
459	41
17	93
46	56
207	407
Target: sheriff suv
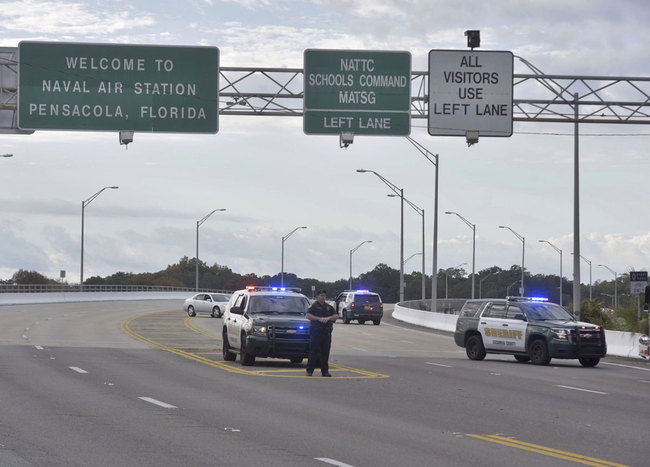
361	305
266	322
531	329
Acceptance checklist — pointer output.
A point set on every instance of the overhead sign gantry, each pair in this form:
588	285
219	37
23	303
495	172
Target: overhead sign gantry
104	87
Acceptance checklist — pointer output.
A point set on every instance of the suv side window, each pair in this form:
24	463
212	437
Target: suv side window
514	312
240	302
471	308
495	310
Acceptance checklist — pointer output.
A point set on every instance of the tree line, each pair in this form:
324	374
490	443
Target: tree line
492	282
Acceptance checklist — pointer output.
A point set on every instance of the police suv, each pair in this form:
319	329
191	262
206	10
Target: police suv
531	329
361	305
266	322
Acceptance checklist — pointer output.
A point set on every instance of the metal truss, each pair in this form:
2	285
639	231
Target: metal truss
538	97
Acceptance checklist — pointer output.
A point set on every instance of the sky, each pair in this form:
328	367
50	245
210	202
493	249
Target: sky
271	177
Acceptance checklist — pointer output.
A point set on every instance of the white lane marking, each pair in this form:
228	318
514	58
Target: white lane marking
438	364
643	381
407	342
332	462
625	366
581	389
157	402
77	369
38	347
359	349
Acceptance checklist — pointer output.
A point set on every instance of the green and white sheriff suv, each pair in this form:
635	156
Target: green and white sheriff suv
531	329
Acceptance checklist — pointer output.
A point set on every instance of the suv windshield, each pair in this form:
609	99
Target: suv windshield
278	304
366	298
547	311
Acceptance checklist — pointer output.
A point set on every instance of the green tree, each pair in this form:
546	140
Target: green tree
23	276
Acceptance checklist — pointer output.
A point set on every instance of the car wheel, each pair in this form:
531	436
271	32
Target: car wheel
346	320
539	353
474	348
216	312
589	362
362	321
227	354
522	358
376	322
296	360
190	311
246	358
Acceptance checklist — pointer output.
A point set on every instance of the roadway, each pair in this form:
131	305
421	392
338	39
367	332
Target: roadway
142	384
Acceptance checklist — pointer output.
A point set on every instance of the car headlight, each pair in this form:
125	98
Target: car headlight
560	333
259	330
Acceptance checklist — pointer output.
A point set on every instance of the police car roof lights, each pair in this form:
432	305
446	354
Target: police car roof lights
259	288
526	299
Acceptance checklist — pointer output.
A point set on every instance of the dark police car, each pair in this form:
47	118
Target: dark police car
531	329
266	322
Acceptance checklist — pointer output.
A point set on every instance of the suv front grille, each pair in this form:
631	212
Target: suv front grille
588	336
289	332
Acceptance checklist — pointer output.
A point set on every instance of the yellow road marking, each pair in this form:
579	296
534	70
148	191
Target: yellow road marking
511	442
161	331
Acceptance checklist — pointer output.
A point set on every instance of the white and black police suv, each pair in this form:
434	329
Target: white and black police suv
266	322
361	305
531	329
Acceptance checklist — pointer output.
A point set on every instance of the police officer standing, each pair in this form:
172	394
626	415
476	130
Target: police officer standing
322	317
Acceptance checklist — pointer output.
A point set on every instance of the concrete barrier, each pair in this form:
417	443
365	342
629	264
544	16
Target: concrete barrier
622	344
63	297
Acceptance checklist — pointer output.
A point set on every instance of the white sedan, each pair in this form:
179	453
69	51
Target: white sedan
212	304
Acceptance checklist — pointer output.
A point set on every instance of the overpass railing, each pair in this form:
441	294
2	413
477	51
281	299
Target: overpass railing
52	288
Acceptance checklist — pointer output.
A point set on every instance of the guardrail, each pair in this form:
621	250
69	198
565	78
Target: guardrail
54	288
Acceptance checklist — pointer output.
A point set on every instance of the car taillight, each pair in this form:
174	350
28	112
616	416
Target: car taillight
381	306
352	306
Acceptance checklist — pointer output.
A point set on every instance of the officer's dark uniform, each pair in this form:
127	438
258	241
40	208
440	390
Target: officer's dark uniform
320	338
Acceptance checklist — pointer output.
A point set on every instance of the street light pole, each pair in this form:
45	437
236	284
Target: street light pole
480	284
434	159
198	224
283	240
352	251
615	282
83	207
473	227
589	275
560	252
523	252
420	211
400	192
447	278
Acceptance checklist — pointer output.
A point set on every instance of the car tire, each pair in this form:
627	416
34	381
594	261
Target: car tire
538	352
190	311
589	362
296	360
346	320
522	358
227	354
216	312
474	348
376	322
246	358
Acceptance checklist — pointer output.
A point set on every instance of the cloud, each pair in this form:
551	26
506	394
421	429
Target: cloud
68	18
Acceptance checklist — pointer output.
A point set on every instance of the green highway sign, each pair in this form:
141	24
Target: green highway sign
107	87
360	91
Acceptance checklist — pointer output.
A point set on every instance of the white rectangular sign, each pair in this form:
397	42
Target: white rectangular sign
470	91
638	282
